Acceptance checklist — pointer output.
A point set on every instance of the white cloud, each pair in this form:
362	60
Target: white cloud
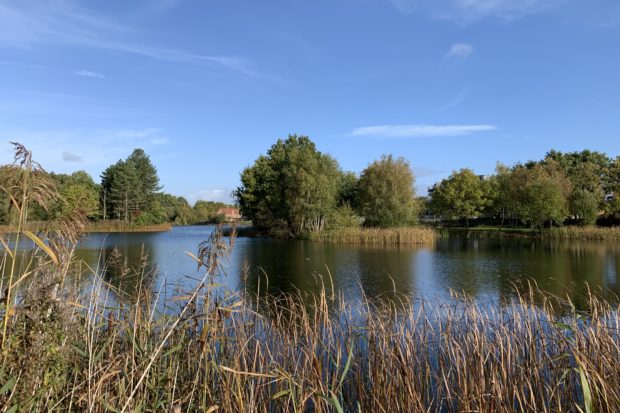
88	73
460	51
29	23
420	131
473	10
215	195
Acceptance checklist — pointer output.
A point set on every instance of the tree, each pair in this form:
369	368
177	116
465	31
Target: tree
79	197
206	211
541	194
584	206
463	195
386	196
78	193
292	189
498	192
128	188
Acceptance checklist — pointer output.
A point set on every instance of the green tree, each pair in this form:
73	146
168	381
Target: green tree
129	187
499	193
541	194
386	195
206	211
463	195
292	189
584	206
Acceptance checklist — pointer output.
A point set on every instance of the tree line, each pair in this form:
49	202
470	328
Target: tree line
295	189
129	191
576	188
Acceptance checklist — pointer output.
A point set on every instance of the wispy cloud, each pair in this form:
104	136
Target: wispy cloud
88	73
97	148
21	64
26	24
456	100
473	10
215	195
71	157
460	51
420	130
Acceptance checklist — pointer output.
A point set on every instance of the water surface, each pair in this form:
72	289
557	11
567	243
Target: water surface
484	268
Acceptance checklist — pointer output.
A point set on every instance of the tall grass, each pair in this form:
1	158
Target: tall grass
206	351
379	236
584	233
122	226
98	226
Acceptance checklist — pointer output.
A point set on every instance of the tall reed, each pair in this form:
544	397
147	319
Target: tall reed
584	233
378	236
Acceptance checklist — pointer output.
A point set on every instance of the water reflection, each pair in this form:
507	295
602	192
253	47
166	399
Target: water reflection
483	268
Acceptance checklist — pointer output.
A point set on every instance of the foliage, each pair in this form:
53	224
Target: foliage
128	187
207	211
463	195
540	194
343	217
293	188
385	195
584	206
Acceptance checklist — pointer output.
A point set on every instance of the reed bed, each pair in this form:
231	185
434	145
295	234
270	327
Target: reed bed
67	348
584	233
98	226
122	226
377	236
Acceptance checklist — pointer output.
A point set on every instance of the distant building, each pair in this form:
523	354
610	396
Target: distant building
231	214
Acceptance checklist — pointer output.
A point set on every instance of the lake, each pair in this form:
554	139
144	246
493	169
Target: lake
484	268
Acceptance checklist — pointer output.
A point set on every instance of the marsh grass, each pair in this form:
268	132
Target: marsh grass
122	226
378	236
584	233
90	226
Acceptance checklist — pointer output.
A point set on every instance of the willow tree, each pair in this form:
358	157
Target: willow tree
385	193
293	188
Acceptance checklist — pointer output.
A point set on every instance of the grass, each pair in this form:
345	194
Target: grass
584	233
89	226
377	236
122	226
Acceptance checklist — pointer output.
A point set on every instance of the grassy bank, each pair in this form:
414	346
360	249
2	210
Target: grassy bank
99	226
377	236
593	233
66	351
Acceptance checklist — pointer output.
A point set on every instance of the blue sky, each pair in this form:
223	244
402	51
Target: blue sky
205	86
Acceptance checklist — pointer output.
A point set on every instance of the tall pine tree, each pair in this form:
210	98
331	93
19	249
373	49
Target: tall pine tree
128	187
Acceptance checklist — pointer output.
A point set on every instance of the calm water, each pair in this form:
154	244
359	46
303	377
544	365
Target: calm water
485	268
